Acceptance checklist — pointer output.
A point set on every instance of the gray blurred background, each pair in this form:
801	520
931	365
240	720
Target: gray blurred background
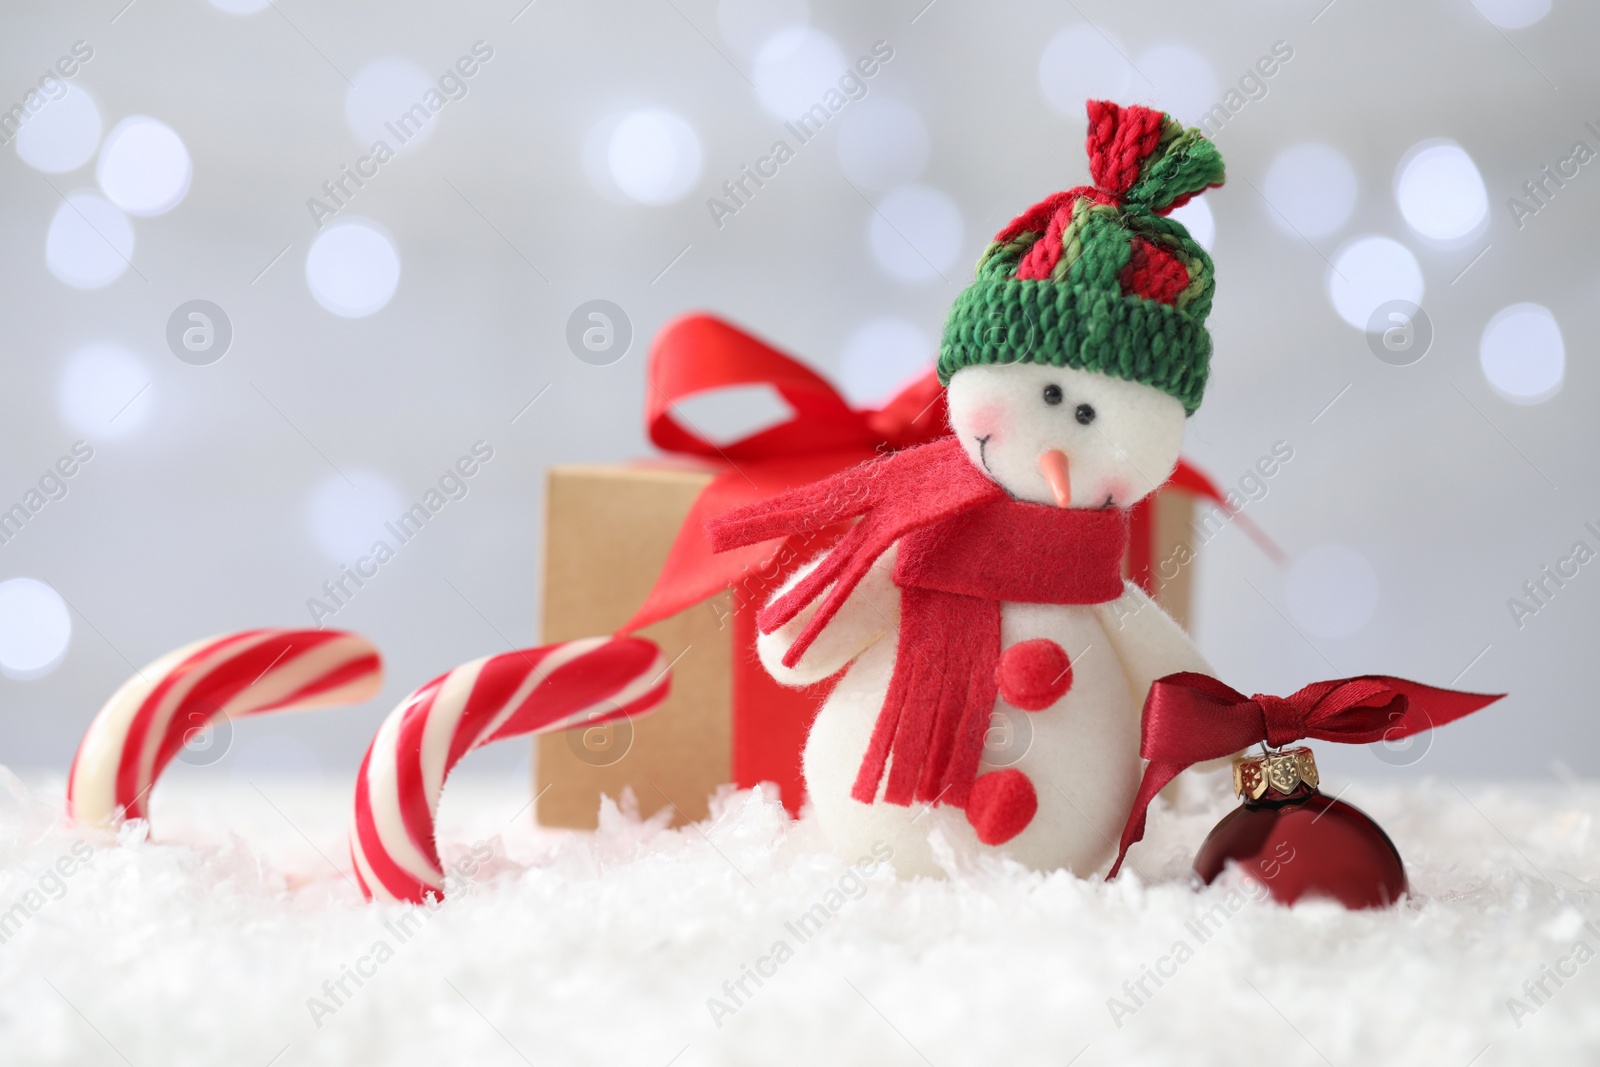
1377	162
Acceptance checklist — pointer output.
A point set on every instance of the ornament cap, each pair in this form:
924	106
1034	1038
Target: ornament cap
1286	774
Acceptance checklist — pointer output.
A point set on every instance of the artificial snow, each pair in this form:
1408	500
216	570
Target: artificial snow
234	935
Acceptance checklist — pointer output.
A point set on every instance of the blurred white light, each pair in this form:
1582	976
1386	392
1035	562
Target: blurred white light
345	522
1440	192
144	167
1332	591
748	24
1079	64
881	356
383	93
105	391
1522	354
793	69
90	242
916	233
1513	14
883	143
35	628
1370	271
63	135
1185	84
241	7
1310	190
353	268
1196	218
654	157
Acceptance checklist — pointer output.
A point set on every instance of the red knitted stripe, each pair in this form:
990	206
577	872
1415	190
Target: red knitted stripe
1120	139
1153	272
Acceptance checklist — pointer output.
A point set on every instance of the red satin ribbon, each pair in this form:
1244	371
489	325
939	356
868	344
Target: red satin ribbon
1190	718
700	353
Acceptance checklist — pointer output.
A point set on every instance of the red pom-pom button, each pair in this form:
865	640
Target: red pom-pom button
1001	805
1034	674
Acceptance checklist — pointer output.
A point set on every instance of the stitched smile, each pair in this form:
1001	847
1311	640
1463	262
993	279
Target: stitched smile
983	442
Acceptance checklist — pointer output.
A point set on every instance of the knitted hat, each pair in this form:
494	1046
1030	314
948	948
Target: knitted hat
1098	277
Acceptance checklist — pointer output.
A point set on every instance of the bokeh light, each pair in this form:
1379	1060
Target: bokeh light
1185	85
881	356
346	518
1331	590
1079	64
1196	218
1440	191
793	69
64	134
1522	354
380	94
144	166
35	628
105	391
883	143
353	268
1310	190
916	233
654	157
89	243
1369	272
1513	14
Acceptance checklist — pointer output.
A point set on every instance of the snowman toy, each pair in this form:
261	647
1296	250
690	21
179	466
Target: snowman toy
995	662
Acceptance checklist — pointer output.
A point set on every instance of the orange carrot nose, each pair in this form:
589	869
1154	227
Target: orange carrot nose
1053	465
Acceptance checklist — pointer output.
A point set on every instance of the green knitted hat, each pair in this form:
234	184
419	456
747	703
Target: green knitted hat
1098	277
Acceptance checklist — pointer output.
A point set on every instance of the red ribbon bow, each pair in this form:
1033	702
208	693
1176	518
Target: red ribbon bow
700	354
1190	718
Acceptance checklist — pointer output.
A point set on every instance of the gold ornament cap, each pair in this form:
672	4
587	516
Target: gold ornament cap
1291	772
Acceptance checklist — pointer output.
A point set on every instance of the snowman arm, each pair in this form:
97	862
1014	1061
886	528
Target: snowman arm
1150	645
871	613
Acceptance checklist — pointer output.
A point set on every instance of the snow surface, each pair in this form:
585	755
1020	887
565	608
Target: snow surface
205	945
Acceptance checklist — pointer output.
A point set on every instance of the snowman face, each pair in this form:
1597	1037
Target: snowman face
1060	435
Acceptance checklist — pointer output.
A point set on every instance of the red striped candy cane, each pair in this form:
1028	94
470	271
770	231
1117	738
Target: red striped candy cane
147	721
532	691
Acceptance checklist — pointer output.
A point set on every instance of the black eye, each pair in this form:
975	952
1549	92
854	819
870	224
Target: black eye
1085	414
1052	394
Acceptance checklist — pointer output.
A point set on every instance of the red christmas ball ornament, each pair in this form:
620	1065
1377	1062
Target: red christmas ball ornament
1296	842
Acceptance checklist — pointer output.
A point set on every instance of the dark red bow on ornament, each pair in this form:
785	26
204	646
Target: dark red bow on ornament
1190	718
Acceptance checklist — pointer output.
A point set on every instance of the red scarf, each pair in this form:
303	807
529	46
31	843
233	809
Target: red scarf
965	546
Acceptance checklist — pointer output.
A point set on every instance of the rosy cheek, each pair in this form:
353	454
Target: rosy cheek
985	420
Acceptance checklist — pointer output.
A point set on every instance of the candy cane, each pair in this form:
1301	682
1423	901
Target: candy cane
145	723
532	691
